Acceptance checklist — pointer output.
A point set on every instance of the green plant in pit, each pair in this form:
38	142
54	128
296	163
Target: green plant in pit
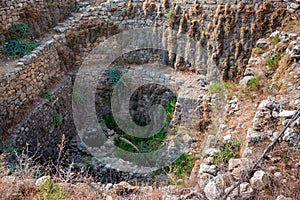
57	120
228	149
50	191
46	95
275	39
216	87
19	30
135	144
114	74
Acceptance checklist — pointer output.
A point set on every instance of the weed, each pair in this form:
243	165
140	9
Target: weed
19	30
273	61
275	39
9	147
20	41
57	120
181	166
216	87
171	17
114	74
50	191
228	149
170	108
46	95
257	51
254	83
88	164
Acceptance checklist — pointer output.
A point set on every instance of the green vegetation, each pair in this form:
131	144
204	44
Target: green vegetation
254	83
275	40
182	166
228	149
88	164
114	74
134	144
57	120
171	17
46	95
20	41
9	147
50	191
257	51
216	87
273	61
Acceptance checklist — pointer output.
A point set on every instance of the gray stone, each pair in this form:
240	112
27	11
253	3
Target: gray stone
278	175
249	72
214	188
294	6
254	137
260	179
246	81
238	166
291	137
281	197
210	169
243	192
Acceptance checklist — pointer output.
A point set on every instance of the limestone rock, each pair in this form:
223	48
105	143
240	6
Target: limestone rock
243	192
41	181
214	189
238	166
210	169
260	179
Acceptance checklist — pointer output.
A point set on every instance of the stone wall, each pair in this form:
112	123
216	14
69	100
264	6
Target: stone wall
31	75
43	128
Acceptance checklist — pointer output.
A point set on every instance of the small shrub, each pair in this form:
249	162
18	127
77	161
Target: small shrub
57	120
228	149
257	51
20	41
45	95
19	30
273	61
171	17
275	40
170	108
216	87
50	191
114	74
254	83
181	166
19	48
